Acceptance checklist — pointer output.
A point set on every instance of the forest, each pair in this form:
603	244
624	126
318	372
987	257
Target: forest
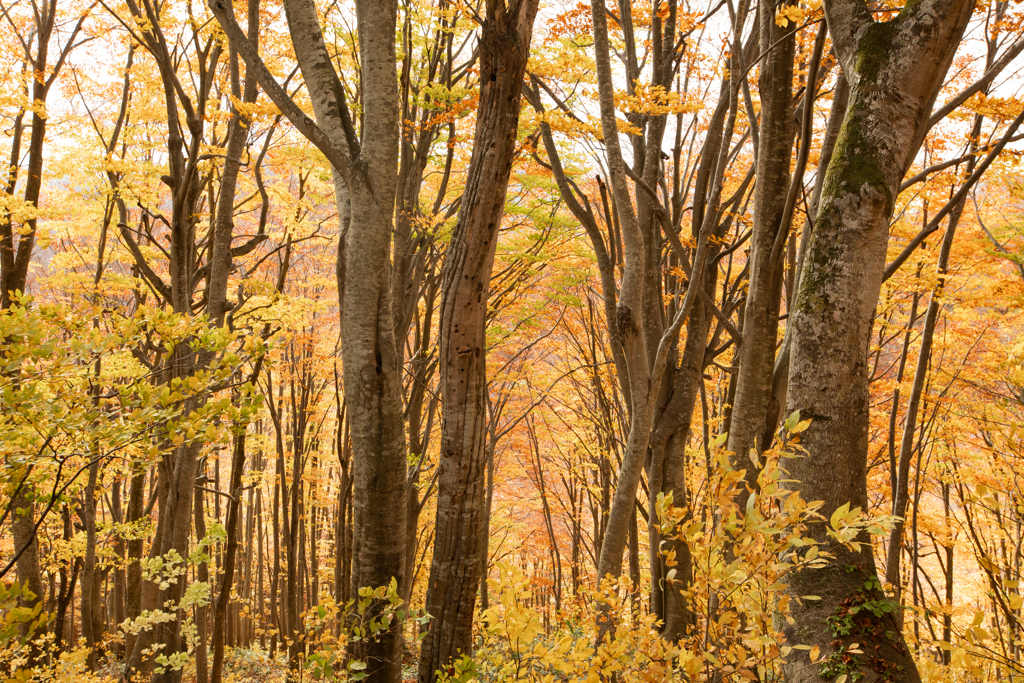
559	341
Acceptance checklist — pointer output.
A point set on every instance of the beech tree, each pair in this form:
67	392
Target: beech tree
895	69
19	218
364	163
673	384
322	331
460	546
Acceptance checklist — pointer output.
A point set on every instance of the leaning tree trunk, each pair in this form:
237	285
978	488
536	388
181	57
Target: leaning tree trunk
628	315
459	548
895	70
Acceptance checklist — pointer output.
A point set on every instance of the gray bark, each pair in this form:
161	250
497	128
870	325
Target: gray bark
365	168
756	354
91	596
895	70
628	316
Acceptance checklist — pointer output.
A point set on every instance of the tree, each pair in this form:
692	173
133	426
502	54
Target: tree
364	165
20	218
460	546
895	69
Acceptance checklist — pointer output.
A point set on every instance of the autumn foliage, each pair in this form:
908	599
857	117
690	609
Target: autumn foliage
294	384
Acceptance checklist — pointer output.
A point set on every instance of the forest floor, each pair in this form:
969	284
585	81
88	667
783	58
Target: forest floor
240	666
251	666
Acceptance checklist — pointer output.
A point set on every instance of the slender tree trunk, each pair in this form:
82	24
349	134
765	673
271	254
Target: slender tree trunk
910	425
668	473
780	382
135	544
460	549
488	506
756	353
628	319
202	611
230	552
276	620
118	611
224	218
91	596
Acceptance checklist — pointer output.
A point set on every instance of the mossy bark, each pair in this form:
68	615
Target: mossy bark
895	70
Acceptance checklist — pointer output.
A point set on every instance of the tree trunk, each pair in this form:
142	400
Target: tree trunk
201	611
459	547
895	70
227	580
628	319
135	544
91	595
756	353
14	268
901	472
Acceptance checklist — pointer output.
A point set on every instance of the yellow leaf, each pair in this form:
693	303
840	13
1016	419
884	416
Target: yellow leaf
789	13
815	651
839	514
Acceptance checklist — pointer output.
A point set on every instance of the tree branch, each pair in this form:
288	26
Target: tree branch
305	125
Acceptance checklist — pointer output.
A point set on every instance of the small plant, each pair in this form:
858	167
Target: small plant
842	666
365	619
844	622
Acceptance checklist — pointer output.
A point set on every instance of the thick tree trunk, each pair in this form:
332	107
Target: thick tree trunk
460	549
365	168
895	70
23	531
372	372
373	390
180	514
